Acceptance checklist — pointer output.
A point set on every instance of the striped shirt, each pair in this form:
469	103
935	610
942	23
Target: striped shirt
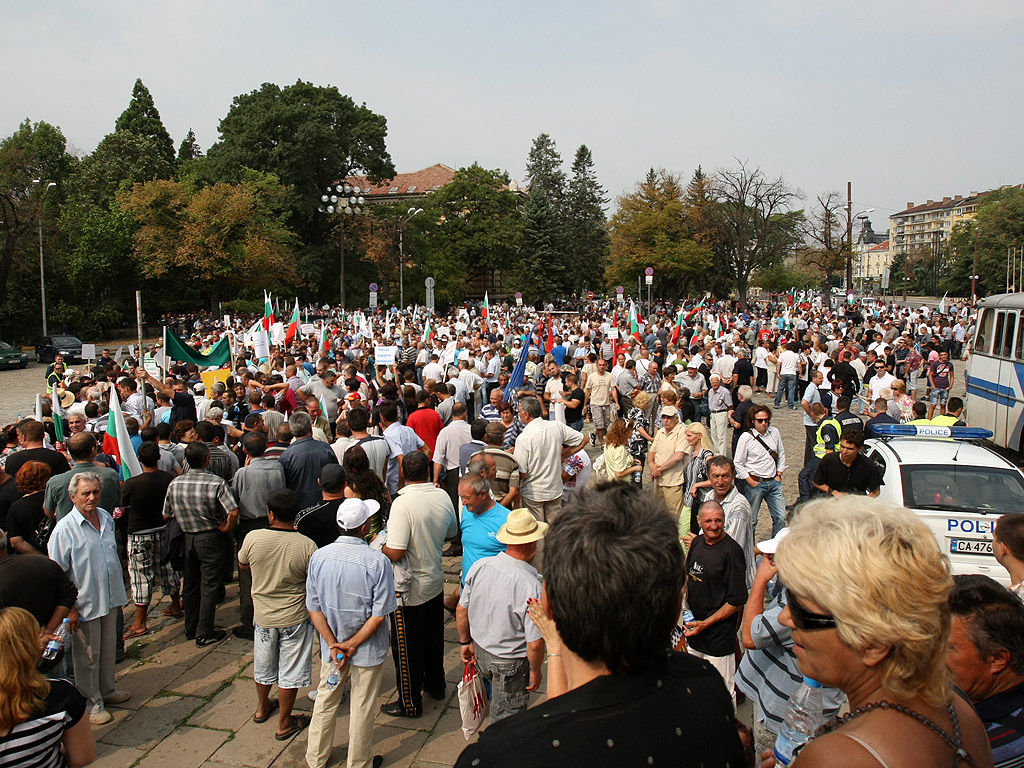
769	674
1003	716
36	742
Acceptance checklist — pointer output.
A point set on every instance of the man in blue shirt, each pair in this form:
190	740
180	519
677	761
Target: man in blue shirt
351	622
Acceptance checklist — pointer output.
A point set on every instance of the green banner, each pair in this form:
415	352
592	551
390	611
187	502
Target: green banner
182	352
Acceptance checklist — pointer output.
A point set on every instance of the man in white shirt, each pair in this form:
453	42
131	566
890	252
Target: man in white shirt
760	462
433	369
789	368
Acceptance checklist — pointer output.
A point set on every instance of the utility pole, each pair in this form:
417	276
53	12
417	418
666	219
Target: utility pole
849	236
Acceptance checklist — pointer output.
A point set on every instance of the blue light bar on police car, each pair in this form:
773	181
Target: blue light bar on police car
931	430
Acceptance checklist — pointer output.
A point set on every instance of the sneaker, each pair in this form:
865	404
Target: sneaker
100	717
244	632
311	695
117	697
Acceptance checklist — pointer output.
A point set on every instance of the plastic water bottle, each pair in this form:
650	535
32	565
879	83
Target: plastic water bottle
688	617
334	676
53	647
804	716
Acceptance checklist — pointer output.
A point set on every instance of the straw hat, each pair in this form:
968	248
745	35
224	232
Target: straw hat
521	528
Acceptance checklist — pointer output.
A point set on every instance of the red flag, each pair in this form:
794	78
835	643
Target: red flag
293	326
551	336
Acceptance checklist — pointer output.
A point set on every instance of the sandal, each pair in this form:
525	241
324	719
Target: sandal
132	632
272	710
168	611
298	723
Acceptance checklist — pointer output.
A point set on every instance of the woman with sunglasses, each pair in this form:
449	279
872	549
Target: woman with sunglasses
868	592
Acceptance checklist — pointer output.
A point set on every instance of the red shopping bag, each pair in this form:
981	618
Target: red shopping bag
473	702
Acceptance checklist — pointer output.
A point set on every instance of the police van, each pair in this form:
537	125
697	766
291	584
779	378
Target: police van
957	487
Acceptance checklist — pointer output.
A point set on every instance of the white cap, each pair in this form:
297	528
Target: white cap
352	513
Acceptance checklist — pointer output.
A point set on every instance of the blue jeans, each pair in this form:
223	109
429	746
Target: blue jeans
769	491
787	381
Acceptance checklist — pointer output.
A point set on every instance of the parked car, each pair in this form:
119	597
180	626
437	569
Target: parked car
69	346
958	488
12	357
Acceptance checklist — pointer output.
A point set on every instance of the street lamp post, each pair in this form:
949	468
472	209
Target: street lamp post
343	198
401	252
42	274
862	217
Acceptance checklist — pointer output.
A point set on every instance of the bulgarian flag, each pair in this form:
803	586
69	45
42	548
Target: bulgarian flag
485	313
324	346
59	415
680	322
428	333
634	322
116	442
268	312
695	310
551	335
293	326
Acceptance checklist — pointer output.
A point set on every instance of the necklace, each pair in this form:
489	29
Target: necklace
959	753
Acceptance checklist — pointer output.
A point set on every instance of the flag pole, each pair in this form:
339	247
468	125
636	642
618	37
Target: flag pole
163	341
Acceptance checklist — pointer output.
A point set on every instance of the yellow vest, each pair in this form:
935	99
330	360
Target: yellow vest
819	447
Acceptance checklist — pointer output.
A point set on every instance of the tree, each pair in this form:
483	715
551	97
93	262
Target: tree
544	169
825	230
585	223
34	151
309	137
471	227
223	238
540	270
650	229
755	221
997	229
189	148
702	226
121	159
143	119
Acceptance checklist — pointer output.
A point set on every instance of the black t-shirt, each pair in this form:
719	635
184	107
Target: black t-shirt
36	584
320	522
684	709
144	496
860	478
25	520
9	494
716	575
183	407
51	458
744	371
572	415
35	741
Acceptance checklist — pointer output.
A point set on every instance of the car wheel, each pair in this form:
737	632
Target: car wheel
38	358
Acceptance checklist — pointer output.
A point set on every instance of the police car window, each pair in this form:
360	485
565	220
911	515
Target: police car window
879	459
963	488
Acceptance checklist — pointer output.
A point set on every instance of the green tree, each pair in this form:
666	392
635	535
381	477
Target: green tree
998	229
544	169
121	159
36	151
756	223
586	225
189	148
309	137
470	228
540	270
702	226
143	119
223	238
650	229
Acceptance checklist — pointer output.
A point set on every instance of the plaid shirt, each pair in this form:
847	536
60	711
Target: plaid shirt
199	501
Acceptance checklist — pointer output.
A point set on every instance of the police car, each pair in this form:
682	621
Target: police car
957	487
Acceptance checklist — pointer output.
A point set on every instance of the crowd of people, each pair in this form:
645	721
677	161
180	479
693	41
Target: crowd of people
516	442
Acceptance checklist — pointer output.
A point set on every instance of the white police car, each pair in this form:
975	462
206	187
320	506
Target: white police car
957	487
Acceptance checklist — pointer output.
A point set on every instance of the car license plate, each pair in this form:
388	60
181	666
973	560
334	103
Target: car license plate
970	546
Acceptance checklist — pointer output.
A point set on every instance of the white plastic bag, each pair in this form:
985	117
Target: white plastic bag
473	703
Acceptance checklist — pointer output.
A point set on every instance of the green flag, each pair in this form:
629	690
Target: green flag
179	350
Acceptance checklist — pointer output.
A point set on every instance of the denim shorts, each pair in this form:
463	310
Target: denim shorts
284	655
939	396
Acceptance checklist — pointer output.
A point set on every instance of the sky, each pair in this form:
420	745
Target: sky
907	99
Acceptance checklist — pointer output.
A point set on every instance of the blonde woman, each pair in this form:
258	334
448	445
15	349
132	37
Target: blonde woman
882	641
901	405
641	438
618	463
699	448
42	722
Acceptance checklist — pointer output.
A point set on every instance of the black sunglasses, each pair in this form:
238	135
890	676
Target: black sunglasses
804	619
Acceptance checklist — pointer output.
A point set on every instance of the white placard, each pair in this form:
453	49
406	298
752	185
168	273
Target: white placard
519	301
149	363
613	333
277	333
261	344
460	327
88	351
307	329
384	355
227	321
